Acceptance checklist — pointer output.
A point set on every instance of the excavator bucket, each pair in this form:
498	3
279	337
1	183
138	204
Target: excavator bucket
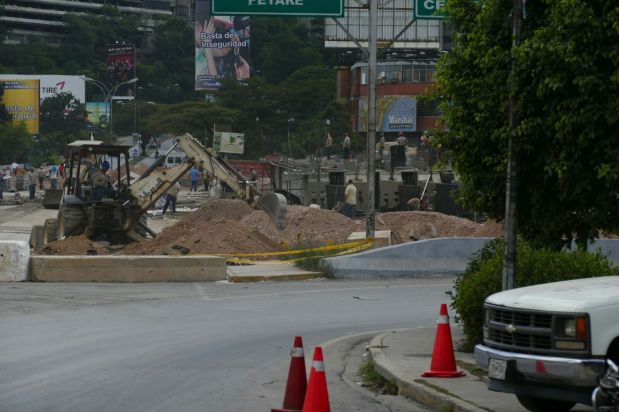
275	205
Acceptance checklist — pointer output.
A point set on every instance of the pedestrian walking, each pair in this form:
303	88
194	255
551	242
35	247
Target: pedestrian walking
381	148
41	176
14	167
346	154
53	177
329	145
32	183
193	173
350	200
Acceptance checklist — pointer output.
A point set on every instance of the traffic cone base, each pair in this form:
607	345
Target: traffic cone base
443	358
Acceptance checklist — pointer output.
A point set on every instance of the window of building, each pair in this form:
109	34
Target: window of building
393	74
364	76
425	108
407	74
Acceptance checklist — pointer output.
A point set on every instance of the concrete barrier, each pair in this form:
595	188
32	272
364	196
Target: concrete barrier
14	259
127	268
441	256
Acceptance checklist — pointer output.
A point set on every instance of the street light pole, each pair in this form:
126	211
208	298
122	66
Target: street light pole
371	142
291	120
108	94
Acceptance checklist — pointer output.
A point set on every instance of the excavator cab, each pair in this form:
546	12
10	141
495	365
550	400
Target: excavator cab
95	190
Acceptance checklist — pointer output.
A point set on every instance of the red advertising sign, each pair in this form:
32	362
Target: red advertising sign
120	68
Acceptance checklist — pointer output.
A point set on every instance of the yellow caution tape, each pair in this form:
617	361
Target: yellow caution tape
301	251
348	248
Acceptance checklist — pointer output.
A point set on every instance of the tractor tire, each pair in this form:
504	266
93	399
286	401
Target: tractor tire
71	221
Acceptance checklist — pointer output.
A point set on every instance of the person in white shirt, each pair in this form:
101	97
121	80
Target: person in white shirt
350	200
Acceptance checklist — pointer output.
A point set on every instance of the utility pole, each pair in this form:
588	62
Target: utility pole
511	186
372	33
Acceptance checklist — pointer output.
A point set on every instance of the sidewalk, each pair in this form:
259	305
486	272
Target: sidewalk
403	355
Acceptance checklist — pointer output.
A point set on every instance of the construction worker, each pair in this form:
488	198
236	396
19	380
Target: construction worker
170	198
101	182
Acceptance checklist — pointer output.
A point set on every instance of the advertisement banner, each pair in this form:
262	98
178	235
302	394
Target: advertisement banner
21	101
226	142
52	84
97	115
120	67
393	114
222	46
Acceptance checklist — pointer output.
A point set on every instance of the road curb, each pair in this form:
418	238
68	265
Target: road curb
411	387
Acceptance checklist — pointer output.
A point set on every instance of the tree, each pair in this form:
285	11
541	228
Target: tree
15	143
62	120
188	117
282	46
568	95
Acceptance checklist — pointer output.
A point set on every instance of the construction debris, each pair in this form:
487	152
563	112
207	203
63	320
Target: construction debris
232	226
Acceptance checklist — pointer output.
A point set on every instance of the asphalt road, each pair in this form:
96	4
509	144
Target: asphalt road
194	346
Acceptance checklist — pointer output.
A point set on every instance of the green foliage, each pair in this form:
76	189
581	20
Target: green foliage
567	99
62	120
282	46
15	143
188	117
483	277
289	80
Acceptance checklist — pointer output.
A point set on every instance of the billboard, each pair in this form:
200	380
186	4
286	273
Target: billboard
222	47
393	114
120	67
97	115
226	142
21	101
52	84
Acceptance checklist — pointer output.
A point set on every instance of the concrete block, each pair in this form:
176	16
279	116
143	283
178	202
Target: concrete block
382	238
14	259
128	268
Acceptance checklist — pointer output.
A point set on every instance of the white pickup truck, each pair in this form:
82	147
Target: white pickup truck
548	343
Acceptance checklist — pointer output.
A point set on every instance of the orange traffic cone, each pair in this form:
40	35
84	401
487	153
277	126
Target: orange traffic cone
317	395
443	358
297	380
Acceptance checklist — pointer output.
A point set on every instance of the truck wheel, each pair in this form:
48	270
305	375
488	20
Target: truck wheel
535	404
71	221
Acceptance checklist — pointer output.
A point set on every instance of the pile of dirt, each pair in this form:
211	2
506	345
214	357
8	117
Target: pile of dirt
411	226
232	226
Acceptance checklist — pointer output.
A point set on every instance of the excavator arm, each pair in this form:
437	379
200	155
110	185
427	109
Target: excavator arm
155	183
274	204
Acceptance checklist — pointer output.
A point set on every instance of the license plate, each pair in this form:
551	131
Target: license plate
497	368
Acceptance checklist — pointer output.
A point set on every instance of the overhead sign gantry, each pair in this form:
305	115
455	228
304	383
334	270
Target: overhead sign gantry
293	8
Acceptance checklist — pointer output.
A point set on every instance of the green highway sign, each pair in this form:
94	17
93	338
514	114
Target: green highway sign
306	8
429	9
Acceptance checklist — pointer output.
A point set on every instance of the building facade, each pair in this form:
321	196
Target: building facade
44	19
